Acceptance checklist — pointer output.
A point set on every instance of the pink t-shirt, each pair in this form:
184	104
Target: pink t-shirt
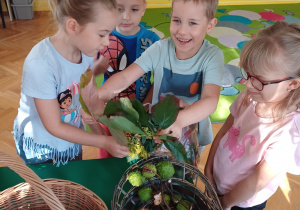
248	142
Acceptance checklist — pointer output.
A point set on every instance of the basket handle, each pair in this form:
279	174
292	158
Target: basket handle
33	179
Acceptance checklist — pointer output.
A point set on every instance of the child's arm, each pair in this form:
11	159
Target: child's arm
196	111
246	188
120	81
49	113
208	170
95	98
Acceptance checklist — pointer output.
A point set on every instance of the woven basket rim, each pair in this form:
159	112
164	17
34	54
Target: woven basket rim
35	191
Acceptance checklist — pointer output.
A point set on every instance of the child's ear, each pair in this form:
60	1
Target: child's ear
211	25
72	26
295	83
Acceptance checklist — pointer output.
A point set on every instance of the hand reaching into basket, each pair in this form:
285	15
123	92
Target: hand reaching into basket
114	148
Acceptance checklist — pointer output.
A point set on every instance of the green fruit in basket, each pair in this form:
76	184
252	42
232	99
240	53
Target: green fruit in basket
183	205
136	179
165	169
145	194
149	170
167	198
176	198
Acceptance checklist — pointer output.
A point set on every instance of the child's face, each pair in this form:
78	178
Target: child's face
94	36
272	92
130	14
66	103
188	28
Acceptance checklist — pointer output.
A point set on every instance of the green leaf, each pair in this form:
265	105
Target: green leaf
112	107
144	139
119	136
163	137
84	80
127	107
165	112
121	123
177	150
138	106
83	106
149	145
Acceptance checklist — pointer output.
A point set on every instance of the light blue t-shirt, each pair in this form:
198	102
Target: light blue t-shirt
48	75
184	78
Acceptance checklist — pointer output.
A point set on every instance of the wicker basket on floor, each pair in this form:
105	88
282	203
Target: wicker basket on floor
36	193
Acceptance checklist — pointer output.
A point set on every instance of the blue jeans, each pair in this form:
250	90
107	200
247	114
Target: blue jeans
257	207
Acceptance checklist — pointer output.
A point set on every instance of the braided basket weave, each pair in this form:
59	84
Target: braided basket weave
36	193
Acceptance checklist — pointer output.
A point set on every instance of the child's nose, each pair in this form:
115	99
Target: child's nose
248	83
106	41
126	15
182	29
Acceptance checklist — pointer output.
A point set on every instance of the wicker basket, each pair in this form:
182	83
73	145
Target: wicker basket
36	193
185	182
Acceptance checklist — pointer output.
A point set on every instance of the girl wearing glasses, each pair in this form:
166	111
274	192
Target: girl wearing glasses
259	142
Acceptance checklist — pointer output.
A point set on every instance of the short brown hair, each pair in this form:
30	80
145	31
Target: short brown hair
210	6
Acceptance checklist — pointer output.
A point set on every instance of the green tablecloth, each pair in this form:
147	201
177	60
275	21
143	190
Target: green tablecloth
100	176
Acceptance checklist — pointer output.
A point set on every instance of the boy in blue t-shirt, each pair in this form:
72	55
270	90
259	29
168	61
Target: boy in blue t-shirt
185	65
127	42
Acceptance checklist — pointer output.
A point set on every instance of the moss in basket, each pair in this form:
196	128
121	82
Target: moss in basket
136	178
145	194
149	170
167	198
176	198
183	205
165	169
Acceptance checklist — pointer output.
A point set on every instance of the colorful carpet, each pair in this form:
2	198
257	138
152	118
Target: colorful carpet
236	26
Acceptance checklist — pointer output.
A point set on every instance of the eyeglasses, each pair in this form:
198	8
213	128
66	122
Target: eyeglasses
259	84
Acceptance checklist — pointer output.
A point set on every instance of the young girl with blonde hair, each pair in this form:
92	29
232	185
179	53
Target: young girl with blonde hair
53	66
259	142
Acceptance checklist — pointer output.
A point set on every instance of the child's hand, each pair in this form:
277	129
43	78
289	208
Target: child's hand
114	148
87	119
174	130
100	65
90	97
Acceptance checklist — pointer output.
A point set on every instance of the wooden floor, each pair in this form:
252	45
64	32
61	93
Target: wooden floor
15	43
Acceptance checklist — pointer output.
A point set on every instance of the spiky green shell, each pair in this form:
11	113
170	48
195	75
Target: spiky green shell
145	194
136	179
165	169
183	205
149	170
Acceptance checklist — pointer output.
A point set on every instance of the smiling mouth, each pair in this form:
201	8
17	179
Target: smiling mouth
184	40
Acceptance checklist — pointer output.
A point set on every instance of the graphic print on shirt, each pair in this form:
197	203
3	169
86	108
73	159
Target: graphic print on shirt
180	85
69	114
143	84
237	150
118	58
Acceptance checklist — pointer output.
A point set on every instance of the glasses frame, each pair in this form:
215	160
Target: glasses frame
246	76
